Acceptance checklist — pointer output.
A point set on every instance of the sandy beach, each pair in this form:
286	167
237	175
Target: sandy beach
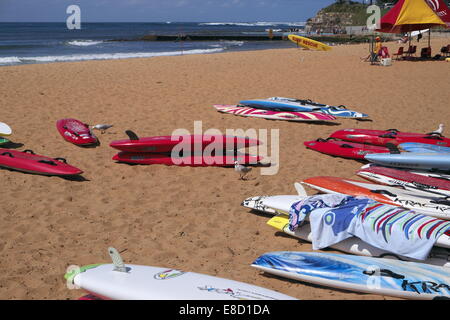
183	217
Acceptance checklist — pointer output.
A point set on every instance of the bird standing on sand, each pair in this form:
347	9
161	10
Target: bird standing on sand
241	169
101	127
438	131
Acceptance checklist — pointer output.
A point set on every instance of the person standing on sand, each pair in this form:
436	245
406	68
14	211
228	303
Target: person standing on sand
380	50
378	45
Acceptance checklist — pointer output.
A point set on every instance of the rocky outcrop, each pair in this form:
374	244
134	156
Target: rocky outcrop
336	17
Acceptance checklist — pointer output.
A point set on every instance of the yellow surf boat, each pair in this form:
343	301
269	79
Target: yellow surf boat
308	43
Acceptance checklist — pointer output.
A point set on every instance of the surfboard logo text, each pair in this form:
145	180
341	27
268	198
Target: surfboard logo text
168	274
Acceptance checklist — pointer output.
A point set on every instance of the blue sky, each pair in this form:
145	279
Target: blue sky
161	10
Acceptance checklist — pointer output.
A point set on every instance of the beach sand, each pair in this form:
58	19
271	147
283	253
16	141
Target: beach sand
182	217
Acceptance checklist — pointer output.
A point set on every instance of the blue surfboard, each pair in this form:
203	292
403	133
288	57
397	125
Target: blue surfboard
361	274
302	106
427	161
423	147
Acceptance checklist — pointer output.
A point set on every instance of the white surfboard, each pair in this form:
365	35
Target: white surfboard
137	282
5	130
353	245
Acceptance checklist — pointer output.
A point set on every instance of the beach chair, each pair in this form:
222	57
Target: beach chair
399	54
411	51
425	53
445	51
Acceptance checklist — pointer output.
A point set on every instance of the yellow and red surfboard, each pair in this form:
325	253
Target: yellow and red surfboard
309	43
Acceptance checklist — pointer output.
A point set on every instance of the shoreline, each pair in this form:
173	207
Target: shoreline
342	40
182	217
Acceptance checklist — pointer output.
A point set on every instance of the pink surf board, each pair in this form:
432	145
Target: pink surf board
273	115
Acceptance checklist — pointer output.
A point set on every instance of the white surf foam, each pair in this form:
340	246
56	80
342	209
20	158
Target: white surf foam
103	56
9	60
253	24
84	43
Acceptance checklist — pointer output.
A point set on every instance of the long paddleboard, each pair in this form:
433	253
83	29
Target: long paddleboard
422	161
136	282
419	201
309	43
165	144
344	149
5	130
273	115
396	278
28	161
76	132
408	180
382	137
354	245
422	147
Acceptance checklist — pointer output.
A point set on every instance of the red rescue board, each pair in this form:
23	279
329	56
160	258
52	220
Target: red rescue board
382	137
343	148
28	161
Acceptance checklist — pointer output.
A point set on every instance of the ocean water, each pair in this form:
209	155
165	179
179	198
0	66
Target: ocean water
27	43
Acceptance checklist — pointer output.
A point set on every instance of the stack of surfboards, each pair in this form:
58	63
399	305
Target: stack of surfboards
388	147
185	150
290	109
413	164
295	116
389	273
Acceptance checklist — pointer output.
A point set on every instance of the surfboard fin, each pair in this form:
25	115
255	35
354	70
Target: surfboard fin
393	149
117	260
131	135
300	190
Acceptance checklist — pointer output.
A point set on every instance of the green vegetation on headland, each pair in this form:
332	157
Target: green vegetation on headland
343	13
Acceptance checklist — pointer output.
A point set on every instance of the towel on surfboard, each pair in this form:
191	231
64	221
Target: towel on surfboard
334	218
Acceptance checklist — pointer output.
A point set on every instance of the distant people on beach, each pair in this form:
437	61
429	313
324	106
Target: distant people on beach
404	39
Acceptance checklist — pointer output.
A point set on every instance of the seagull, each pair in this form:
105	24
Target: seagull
438	131
241	169
102	127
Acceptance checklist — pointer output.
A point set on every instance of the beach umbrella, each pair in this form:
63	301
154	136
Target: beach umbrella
412	15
